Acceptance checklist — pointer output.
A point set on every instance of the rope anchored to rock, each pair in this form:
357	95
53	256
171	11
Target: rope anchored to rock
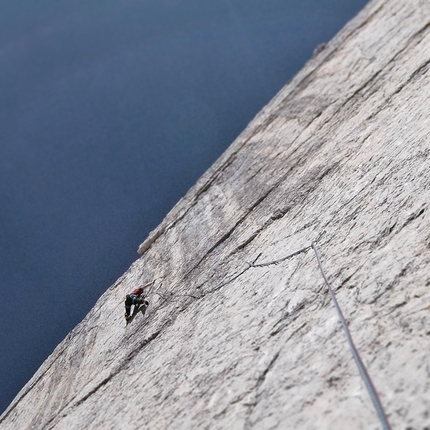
358	361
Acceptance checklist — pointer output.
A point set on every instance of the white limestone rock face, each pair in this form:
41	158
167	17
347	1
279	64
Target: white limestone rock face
344	148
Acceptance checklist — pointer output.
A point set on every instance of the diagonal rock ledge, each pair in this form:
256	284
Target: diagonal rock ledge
343	148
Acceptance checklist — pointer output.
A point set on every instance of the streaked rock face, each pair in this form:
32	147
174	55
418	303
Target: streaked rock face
344	148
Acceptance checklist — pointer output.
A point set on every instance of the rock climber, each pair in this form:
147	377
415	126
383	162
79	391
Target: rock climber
135	298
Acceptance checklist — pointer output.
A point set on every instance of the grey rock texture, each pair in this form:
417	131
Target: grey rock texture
343	149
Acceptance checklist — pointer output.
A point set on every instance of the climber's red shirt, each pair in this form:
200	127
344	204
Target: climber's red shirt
137	292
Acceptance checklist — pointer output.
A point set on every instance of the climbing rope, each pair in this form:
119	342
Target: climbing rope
362	369
282	259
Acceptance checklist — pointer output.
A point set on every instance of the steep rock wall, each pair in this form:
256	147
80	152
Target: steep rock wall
342	149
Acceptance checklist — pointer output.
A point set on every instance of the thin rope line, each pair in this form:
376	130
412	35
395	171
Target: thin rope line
362	369
364	374
300	251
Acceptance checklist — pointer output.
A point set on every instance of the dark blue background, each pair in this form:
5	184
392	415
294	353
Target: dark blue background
109	112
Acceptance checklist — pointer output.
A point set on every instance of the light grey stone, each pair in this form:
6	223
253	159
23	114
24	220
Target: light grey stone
342	149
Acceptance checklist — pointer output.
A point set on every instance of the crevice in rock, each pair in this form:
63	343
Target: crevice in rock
420	71
387	231
412	217
238	223
392	284
346	280
205	187
358	91
222	284
258	384
74	404
309	184
268	368
288	318
423	68
390	230
57	355
410	41
148	243
248	241
307	79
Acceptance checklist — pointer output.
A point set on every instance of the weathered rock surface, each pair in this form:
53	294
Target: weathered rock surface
343	148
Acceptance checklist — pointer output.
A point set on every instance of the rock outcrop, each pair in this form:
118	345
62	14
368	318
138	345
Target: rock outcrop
343	149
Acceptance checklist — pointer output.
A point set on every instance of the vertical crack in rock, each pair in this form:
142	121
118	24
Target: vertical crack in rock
257	387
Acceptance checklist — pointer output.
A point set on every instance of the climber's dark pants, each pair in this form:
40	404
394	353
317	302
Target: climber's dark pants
131	299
